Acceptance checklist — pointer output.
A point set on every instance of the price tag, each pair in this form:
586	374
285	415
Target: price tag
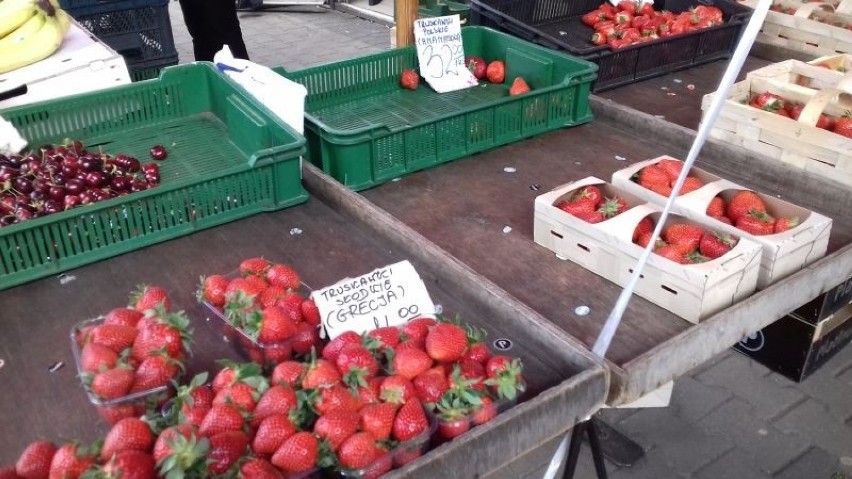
387	296
440	53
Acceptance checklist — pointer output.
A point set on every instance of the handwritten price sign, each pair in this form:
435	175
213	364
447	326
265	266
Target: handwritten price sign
440	53
387	296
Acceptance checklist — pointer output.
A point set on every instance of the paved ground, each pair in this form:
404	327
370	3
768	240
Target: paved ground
729	418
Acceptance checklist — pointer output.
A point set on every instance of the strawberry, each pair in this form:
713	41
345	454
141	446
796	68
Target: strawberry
310	312
241	395
824	122
409	363
474	373
644	239
591	217
577	207
477	351
412	343
332	349
356	364
757	223
430	385
378	419
690	184
671	167
256	266
270	325
298	453
716	207
116	337
241	294
276	400
685	237
258	469
396	389
181	441
645	226
477	66
321	373
271	296
661	189
130	464
231	373
170	333
612	207
123	317
418	327
454	425
336	426
112	383
221	418
410	421
358	451
226	448
155	371
672	252
34	462
212	290
786	224
446	342
653	175
519	87
505	376
767	101
370	393
388	336
337	398
128	434
148	297
843	125
593	18
495	72
409	79
484	412
272	433
70	461
113	414
288	373
715	245
306	338
95	357
742	203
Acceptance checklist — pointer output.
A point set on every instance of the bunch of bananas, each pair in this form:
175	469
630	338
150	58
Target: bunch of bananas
30	31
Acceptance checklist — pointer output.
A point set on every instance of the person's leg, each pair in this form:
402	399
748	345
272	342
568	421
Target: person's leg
222	18
194	19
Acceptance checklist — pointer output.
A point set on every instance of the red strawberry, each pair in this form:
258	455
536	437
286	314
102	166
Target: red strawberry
409	363
742	203
130	464
212	290
270	326
690	184
148	297
181	441
843	126
306	338
378	419
767	101
477	351
283	276
221	418
757	223
716	207
653	175
272	433
612	207
519	87
645	238
258	469
410	421
70	461
332	349
254	266
356	363
170	335
590	216
240	395
496	71
396	389
276	400
155	371
430	385
412	343
113	414
310	312
226	448
453	426
112	383
358	451
484	412
370	393
671	167
645	226
298	453
337	398
95	357
336	426
128	434
673	253
785	224
8	472
409	79
505	376
472	372
388	336
321	373
418	327
477	66
685	237
715	245
271	296
34	462
446	342
288	373
116	337
123	317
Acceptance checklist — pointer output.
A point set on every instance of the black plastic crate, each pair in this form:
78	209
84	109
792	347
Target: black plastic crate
139	30
557	24
148	70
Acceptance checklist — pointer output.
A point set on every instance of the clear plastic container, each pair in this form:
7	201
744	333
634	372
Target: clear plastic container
467	421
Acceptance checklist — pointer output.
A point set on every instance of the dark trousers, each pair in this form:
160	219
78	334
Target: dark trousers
212	24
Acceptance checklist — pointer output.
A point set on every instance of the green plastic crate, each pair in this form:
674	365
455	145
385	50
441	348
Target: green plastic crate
227	160
363	129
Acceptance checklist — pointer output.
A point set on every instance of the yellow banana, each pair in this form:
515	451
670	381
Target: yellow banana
36	47
64	20
28	29
14	13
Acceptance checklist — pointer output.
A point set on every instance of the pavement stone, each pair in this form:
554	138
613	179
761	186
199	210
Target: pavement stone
753	383
735	464
692	400
816	463
825	386
736	422
653	466
814	422
846	376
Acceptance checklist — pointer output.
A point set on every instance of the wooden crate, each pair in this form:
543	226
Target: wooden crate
806	74
811	29
693	291
841	62
783	253
797	143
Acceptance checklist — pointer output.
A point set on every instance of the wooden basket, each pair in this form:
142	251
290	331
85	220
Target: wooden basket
797	143
800	73
811	29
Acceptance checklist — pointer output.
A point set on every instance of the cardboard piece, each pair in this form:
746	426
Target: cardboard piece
440	53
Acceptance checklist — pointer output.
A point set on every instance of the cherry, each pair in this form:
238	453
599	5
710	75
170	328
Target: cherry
159	152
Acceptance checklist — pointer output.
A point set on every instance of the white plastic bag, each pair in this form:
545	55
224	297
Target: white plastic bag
285	98
11	142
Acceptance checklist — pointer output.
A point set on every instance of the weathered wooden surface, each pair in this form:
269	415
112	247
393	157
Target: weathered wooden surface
37	318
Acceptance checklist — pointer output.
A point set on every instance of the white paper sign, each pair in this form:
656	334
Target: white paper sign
387	296
440	53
